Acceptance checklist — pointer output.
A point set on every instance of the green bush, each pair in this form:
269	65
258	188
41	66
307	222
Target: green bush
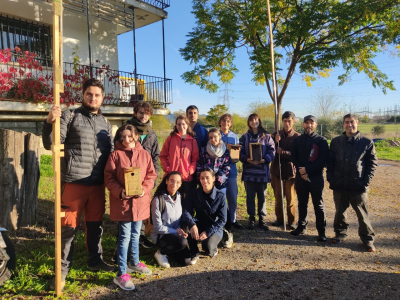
378	130
46	166
160	123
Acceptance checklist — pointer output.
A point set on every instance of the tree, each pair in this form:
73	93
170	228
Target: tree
311	36
160	123
214	113
378	130
325	104
239	124
179	112
262	109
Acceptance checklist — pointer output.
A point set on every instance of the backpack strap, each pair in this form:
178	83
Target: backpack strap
71	118
161	206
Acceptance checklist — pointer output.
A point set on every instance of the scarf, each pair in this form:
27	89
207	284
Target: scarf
217	151
142	128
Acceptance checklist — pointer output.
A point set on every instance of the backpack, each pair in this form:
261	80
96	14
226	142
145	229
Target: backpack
148	223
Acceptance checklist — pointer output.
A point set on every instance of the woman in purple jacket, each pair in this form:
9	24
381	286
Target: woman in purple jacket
256	173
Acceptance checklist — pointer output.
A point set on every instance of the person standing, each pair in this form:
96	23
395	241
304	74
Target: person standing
350	170
310	153
127	209
142	111
285	138
201	134
256	173
180	153
87	138
230	138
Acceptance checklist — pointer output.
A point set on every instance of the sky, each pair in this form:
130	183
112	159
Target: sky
242	90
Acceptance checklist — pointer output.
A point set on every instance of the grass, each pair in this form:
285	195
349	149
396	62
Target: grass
385	152
390	129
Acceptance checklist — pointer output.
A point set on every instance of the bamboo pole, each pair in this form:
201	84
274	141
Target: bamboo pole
271	38
57	147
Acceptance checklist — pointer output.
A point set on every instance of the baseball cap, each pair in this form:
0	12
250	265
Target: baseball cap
310	117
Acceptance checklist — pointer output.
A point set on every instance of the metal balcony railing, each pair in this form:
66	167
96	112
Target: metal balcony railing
158	3
121	88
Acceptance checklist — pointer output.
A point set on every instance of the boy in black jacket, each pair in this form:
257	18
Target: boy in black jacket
310	153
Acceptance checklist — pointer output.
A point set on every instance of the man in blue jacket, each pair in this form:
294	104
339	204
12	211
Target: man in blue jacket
351	168
192	113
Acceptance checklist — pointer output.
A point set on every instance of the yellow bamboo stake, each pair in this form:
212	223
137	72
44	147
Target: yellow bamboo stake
57	147
271	38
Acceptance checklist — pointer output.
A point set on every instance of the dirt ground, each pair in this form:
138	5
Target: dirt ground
275	265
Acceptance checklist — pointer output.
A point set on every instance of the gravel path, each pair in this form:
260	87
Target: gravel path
275	265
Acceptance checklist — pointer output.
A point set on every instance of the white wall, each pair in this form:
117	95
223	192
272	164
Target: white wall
103	37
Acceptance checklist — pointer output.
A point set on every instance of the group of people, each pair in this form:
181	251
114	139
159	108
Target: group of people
196	200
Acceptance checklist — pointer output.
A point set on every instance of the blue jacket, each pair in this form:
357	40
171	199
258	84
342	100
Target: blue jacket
201	135
210	211
231	138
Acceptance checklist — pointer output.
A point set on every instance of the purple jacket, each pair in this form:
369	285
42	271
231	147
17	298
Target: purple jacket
260	172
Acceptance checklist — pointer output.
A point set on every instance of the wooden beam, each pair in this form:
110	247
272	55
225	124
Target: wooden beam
58	87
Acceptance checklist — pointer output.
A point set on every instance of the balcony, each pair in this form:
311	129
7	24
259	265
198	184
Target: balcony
121	88
158	3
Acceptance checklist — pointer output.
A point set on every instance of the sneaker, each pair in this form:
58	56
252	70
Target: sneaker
321	238
139	268
237	225
290	226
101	266
369	246
252	223
277	223
53	283
263	225
229	242
145	242
339	237
298	231
124	282
215	254
162	260
194	259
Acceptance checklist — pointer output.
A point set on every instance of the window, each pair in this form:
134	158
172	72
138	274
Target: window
28	36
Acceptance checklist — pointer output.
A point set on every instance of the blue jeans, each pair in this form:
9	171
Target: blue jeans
128	243
231	195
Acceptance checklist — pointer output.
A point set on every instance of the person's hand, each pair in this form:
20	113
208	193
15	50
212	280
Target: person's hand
305	177
181	232
123	195
202	236
302	170
277	138
139	196
194	232
55	112
279	150
252	161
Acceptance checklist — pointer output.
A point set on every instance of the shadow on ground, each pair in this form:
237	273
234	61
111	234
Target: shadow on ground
235	284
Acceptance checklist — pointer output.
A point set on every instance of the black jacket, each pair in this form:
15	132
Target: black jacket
87	139
311	152
208	211
150	144
352	163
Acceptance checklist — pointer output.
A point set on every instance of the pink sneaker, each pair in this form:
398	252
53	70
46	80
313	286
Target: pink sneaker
124	282
139	268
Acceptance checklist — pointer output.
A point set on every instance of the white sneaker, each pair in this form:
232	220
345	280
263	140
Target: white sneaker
162	260
229	242
124	282
194	260
215	254
139	268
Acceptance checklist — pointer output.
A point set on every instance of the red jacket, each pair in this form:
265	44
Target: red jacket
133	209
180	155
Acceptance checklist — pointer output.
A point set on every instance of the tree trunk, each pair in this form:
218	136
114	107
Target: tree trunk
19	178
